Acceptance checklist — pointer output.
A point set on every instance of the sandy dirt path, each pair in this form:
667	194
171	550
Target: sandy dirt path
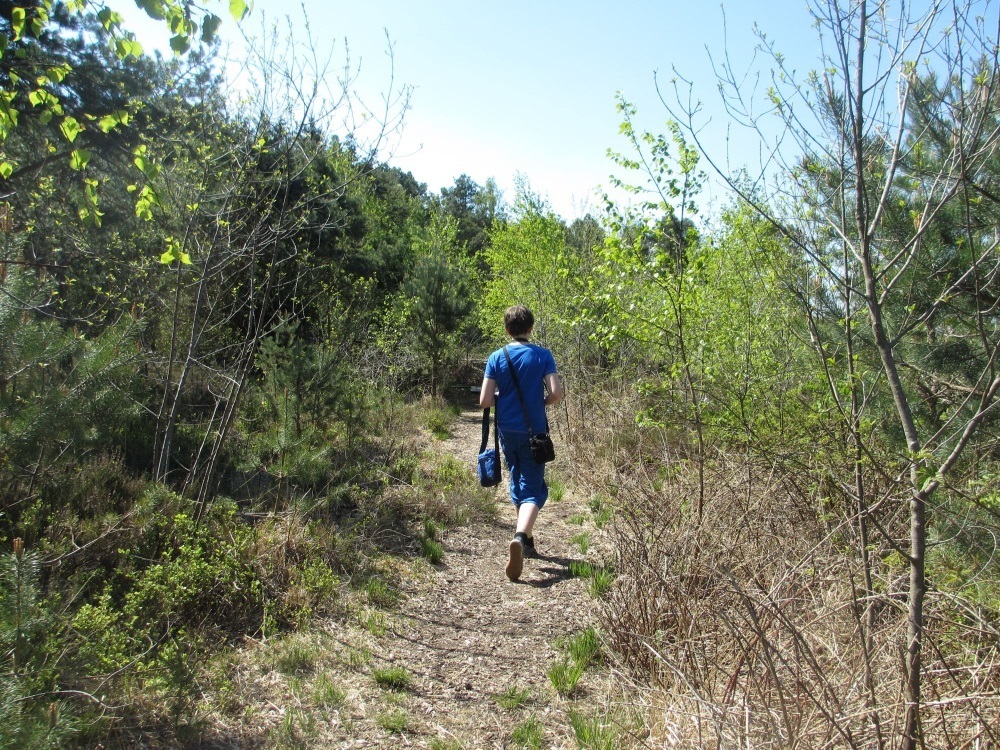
466	633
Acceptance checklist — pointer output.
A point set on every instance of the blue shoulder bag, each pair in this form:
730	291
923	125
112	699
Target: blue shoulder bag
488	469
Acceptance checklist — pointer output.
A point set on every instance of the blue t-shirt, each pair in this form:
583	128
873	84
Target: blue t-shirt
532	363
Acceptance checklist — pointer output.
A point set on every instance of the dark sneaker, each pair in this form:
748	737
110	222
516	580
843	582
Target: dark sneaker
515	562
529	548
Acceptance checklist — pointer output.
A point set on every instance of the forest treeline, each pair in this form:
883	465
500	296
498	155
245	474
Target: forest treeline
223	317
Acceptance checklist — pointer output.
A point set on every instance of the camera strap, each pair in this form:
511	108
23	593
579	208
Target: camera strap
520	395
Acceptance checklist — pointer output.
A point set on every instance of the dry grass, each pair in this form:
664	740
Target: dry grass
751	627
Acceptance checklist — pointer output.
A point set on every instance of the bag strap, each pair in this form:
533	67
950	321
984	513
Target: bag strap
520	395
486	433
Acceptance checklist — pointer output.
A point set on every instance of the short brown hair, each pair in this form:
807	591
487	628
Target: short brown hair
518	320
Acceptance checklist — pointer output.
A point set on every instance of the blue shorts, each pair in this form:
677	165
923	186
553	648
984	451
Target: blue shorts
527	478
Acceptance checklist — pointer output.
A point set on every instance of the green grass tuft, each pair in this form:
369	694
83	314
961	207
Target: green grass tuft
295	656
600	508
584	647
374	622
580	569
591	733
393	678
601	582
557	490
327	694
430	529
565	676
582	541
600	578
513	697
396	722
439	420
528	735
358	657
379	593
432	550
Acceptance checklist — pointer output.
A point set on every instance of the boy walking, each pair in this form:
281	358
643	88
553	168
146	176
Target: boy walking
535	369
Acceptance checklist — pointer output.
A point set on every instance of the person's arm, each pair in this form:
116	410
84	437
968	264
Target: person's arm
555	389
487	394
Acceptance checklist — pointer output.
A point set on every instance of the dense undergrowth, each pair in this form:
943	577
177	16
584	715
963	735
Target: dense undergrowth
111	616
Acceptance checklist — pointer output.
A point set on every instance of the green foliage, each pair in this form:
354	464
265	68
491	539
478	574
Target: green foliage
327	694
57	388
22	617
583	647
528	735
714	321
600	578
396	721
513	697
449	493
475	210
440	418
393	678
432	550
531	262
592	733
437	298
29	715
565	675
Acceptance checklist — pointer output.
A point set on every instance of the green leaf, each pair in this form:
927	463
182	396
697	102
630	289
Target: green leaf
70	128
109	122
17	20
59	72
154	8
79	158
6	169
180	43
104	16
238	9
168	257
210	27
185	259
128	48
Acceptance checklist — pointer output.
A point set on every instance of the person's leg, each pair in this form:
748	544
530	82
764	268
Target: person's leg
528	493
526	516
517	452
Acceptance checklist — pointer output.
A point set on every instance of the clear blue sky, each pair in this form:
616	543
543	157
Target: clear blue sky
529	87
